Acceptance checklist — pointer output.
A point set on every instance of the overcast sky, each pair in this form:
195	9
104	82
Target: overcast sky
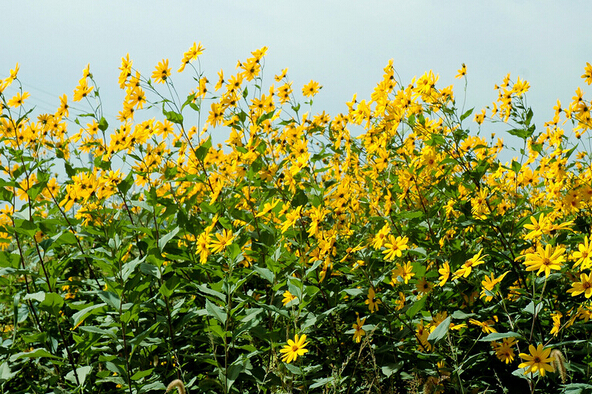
343	45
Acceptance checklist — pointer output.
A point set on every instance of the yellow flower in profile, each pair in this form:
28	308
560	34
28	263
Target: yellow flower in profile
359	331
583	255
486	326
288	297
444	274
545	260
556	322
537	360
310	89
466	269
488	283
294	348
162	71
191	55
462	72
587	73
583	286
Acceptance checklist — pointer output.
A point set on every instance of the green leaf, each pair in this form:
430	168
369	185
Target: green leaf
322	382
466	114
294	369
5	372
516	166
206	290
110	298
215	311
82	373
204	148
84	313
440	331
38	296
530	308
494	336
461	315
169	286
53	303
165	239
35	353
416	307
149	269
126	184
264	273
142	374
103	125
172	116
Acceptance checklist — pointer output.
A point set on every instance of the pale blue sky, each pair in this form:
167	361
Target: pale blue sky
343	45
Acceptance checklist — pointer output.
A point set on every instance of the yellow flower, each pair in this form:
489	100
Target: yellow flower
359	331
191	55
583	255
423	286
486	326
126	70
583	286
467	267
504	351
371	302
294	348
462	72
18	99
310	89
444	274
162	71
82	90
404	271
288	297
380	237
556	322
544	260
488	283
222	241
537	360
394	247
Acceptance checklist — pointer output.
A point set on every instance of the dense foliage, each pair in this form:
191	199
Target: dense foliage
298	256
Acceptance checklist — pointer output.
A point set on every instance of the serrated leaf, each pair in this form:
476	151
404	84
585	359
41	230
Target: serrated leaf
264	273
215	311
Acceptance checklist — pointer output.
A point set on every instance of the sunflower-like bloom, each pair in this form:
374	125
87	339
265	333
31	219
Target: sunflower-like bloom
162	71
537	360
545	260
466	269
294	348
583	286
